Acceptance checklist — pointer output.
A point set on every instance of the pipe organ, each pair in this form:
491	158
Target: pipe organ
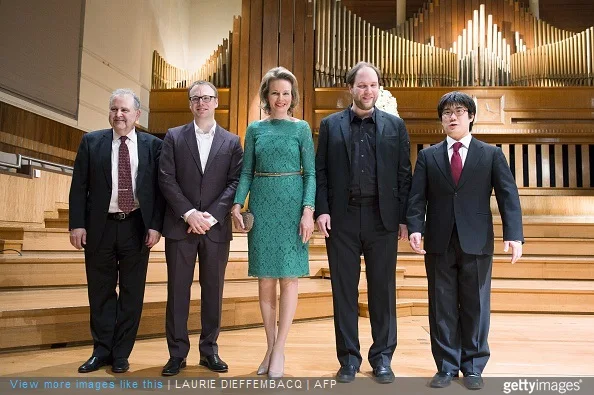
501	45
216	69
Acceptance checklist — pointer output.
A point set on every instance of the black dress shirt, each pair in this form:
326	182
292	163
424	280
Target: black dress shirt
363	165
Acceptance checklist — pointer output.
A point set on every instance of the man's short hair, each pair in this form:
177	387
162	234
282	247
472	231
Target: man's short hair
207	83
352	73
451	99
125	92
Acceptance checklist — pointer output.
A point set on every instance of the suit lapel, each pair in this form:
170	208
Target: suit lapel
440	154
143	158
217	142
473	157
190	137
105	153
379	133
345	128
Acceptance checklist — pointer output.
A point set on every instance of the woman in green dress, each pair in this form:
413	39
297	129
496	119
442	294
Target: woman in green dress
279	174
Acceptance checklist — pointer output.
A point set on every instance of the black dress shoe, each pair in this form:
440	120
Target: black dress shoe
441	380
214	363
173	366
473	381
93	364
346	373
120	365
383	374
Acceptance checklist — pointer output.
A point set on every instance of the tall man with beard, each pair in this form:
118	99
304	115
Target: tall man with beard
363	178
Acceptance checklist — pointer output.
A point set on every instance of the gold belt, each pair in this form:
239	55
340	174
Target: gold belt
291	173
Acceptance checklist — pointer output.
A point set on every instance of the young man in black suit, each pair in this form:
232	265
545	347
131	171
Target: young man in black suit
449	204
116	215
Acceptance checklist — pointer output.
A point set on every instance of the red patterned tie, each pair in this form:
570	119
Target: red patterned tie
456	163
125	193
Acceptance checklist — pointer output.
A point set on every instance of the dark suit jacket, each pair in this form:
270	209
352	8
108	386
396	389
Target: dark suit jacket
185	186
90	191
333	167
468	204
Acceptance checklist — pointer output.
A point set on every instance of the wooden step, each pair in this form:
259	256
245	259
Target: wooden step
10	247
552	226
404	307
528	267
57	239
523	296
54	316
400	272
68	269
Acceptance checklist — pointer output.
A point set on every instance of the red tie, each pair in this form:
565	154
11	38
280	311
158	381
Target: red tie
125	193
456	163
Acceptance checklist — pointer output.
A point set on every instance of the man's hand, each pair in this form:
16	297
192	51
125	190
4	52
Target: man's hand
516	249
152	238
306	226
415	243
198	223
323	222
78	238
237	218
402	232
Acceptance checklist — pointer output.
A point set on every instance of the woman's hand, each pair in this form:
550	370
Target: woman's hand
306	226
237	218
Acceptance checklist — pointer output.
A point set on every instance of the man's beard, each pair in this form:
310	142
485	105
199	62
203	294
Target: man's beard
365	107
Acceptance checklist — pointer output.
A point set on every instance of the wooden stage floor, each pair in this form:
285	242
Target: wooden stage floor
521	345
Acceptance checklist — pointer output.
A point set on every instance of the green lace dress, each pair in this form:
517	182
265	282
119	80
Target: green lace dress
275	248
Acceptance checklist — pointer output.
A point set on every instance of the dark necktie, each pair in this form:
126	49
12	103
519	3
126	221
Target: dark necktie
125	193
456	163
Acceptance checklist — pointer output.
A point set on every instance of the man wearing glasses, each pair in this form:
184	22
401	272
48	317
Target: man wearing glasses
198	175
449	204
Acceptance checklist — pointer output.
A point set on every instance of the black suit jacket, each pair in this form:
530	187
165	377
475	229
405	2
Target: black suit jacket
467	205
185	186
90	191
333	167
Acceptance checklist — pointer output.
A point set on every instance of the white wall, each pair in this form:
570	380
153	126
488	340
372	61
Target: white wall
118	43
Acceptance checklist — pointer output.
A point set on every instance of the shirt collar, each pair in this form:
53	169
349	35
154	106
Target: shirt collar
352	114
465	141
211	132
132	136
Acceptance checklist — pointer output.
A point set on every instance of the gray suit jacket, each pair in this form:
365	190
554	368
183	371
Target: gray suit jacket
185	186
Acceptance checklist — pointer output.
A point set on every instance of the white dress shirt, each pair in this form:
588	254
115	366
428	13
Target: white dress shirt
463	151
132	143
204	140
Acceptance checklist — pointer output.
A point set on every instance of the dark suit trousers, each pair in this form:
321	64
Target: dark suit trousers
121	258
459	308
361	231
181	261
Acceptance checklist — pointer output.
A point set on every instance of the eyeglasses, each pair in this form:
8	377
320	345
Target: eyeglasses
458	111
205	99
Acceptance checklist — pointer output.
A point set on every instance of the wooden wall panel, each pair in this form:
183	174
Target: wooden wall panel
33	195
26	133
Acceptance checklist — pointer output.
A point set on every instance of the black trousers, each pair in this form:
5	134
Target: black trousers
120	259
459	308
181	261
361	232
